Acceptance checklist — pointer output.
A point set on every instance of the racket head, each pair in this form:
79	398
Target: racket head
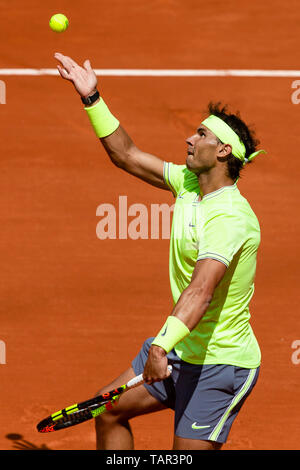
88	409
78	413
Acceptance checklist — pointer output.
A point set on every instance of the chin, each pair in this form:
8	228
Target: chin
189	162
190	165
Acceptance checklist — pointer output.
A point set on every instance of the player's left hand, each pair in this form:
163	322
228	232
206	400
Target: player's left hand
156	365
83	78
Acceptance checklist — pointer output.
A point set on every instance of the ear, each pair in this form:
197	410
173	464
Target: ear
224	150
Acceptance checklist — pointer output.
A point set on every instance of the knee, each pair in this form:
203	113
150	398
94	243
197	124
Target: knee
103	420
109	417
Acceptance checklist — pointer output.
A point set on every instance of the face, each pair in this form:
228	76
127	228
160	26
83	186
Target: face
202	150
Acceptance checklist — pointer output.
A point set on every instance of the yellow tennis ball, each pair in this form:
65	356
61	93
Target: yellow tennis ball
59	23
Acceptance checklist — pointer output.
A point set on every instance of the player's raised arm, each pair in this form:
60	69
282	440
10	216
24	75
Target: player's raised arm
117	143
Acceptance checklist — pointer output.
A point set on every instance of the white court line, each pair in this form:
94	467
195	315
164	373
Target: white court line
162	73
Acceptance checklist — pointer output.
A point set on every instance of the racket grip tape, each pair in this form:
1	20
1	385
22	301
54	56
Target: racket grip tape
139	379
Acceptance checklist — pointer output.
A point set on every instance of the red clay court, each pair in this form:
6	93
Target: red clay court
75	309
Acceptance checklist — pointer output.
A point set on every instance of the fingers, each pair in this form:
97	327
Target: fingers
63	73
87	65
149	381
83	78
69	65
151	376
66	61
71	62
58	56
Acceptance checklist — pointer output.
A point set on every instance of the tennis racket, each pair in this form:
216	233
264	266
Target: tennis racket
89	409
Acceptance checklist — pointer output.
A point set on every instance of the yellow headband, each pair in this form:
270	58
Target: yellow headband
228	136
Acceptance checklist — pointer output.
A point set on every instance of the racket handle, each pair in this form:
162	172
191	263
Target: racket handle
139	379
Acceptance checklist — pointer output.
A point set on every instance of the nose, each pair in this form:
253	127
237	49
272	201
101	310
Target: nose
191	140
191	143
190	149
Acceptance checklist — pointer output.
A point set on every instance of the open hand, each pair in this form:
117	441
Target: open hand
83	78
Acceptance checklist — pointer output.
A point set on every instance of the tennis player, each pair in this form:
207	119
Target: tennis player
207	337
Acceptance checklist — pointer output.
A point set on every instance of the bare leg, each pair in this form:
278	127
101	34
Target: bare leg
113	431
194	444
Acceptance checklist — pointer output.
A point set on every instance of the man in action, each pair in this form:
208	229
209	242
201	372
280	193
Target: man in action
215	237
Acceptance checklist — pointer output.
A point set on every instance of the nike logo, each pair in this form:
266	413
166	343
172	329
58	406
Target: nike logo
163	334
194	426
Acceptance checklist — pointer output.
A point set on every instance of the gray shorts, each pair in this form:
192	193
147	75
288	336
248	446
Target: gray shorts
206	398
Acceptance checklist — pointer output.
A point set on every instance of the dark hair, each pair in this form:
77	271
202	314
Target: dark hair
246	135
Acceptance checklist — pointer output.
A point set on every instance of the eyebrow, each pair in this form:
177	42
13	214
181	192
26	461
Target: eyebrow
205	129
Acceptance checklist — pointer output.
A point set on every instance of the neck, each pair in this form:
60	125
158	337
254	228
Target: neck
212	181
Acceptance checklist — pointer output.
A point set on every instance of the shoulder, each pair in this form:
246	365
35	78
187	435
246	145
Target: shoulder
230	210
179	178
242	209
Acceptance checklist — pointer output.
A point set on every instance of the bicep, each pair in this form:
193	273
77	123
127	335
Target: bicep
207	274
